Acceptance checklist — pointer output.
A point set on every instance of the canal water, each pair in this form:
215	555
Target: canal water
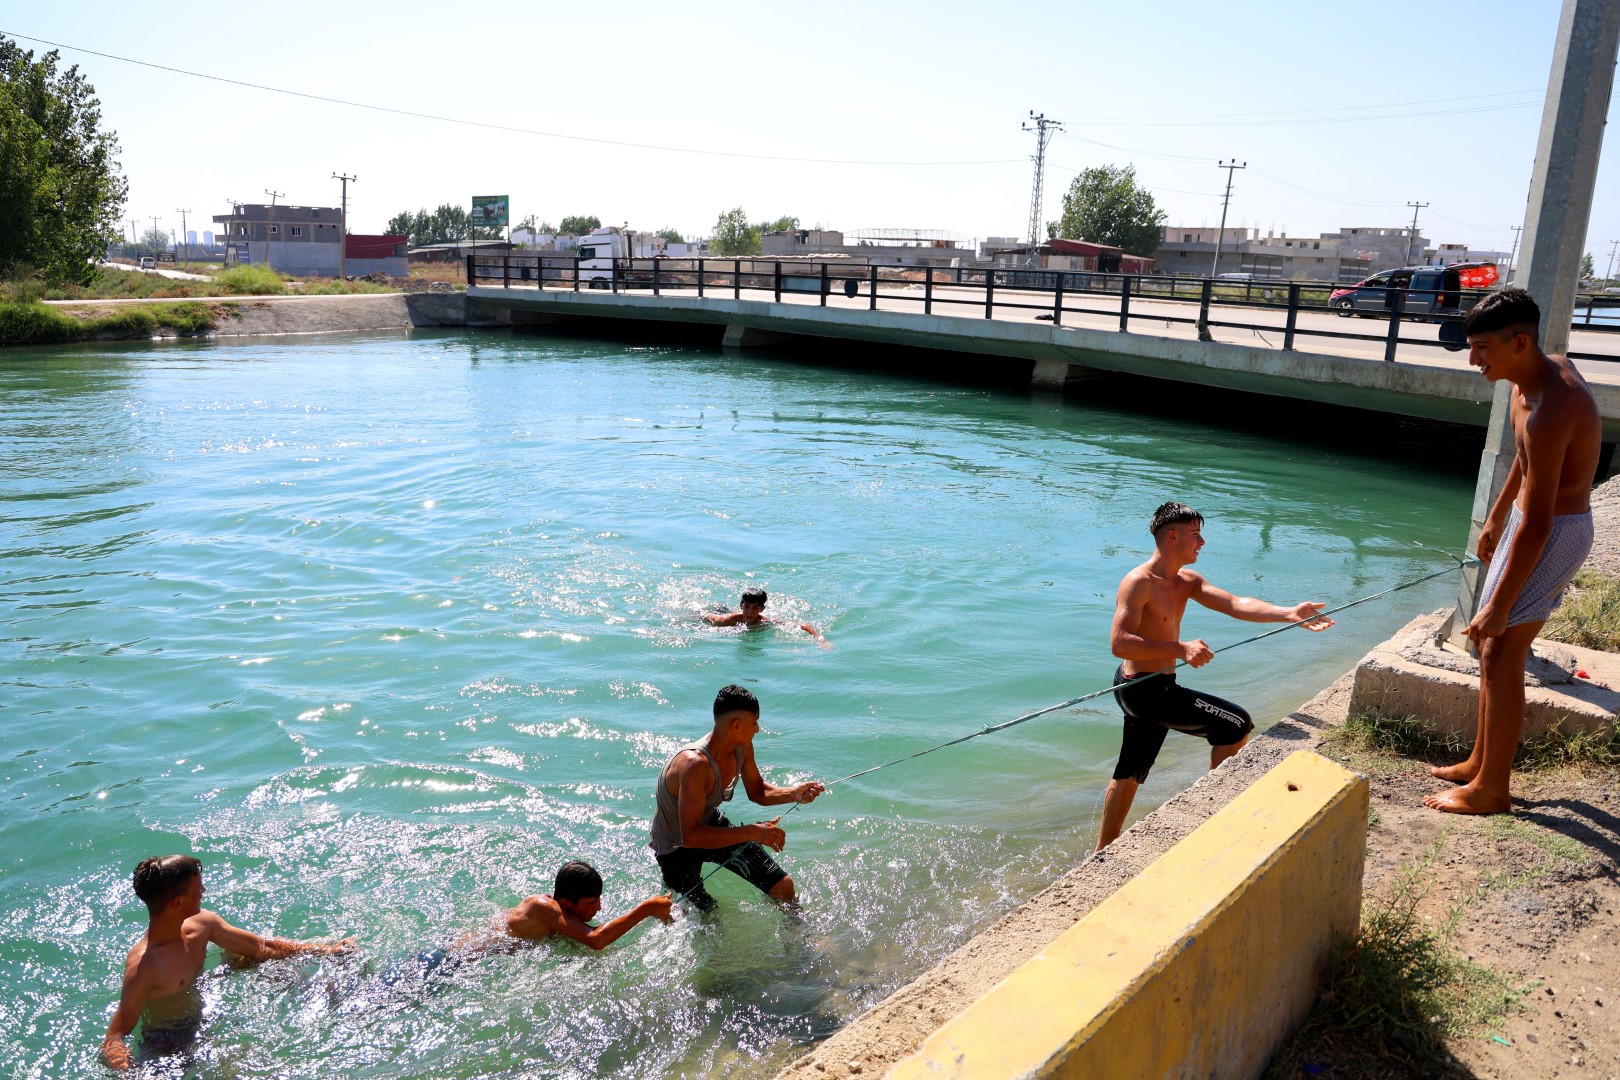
384	629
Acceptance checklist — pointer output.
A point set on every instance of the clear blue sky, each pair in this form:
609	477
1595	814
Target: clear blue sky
1343	113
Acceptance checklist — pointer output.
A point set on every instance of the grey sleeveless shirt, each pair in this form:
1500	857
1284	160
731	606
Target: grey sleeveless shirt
666	826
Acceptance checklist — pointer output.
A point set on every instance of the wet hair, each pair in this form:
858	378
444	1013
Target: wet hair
1173	513
161	878
734	697
1505	309
753	596
577	881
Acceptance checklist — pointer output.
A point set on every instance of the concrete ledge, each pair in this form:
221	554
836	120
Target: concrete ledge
1411	674
1198	967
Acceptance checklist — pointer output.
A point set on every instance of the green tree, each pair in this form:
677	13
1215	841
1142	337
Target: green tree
576	225
1587	269
62	191
1105	205
781	224
733	235
155	240
401	224
672	235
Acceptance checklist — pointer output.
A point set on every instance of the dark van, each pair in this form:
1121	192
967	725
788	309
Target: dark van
1419	290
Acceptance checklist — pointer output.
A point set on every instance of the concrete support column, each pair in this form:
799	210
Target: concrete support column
747	337
1555	222
1056	376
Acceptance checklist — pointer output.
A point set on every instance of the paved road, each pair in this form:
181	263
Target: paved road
178	275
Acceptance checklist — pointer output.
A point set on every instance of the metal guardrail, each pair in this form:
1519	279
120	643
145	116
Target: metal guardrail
1053	294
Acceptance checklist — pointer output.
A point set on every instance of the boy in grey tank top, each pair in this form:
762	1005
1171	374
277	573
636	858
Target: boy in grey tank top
688	828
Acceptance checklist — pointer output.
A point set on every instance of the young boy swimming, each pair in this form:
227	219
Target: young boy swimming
164	964
752	613
575	899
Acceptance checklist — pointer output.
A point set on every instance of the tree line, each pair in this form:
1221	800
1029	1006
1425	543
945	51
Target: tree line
62	191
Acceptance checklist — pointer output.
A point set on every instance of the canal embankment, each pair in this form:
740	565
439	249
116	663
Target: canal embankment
1524	901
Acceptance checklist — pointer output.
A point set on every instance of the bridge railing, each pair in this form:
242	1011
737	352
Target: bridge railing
1258	306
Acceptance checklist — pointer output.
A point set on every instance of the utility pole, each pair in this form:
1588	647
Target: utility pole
1043	130
184	238
1230	167
1555	222
1608	275
1515	252
1412	243
156	230
274	195
343	225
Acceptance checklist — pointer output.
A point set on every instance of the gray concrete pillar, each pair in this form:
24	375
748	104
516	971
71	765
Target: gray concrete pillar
747	337
1555	222
1056	376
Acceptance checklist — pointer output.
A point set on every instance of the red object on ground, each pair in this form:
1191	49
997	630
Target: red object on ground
1582	675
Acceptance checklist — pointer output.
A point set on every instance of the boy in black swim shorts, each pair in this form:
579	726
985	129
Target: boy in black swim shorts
1146	636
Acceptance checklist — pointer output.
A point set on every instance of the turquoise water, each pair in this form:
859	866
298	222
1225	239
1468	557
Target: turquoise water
385	629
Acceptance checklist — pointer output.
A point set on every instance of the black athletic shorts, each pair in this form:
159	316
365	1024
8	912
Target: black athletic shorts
683	867
1157	705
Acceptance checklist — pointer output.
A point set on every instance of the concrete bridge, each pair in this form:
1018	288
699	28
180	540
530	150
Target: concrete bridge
1334	360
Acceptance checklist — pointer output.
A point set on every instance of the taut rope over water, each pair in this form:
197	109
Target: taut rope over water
1461	562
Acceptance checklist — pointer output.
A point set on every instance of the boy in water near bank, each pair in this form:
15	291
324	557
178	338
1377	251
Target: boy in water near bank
166	961
575	899
1537	535
688	828
752	613
1145	635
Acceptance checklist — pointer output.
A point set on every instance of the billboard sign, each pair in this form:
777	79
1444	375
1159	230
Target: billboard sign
489	211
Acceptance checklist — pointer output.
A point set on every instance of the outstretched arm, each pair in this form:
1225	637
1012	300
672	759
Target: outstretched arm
1248	609
543	913
716	618
766	794
253	948
131	1000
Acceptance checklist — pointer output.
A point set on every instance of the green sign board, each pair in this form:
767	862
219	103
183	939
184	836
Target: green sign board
489	211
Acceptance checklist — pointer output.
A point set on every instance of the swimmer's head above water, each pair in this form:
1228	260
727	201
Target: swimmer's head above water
161	879
578	890
752	604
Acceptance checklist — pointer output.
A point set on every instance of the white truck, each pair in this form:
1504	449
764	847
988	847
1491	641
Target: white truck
597	253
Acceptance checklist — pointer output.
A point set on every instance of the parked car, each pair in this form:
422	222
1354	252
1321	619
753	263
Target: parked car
147	262
1419	290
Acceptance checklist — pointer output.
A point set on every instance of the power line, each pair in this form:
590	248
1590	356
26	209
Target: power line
1416	206
1043	130
1318	119
1231	168
1299	112
499	127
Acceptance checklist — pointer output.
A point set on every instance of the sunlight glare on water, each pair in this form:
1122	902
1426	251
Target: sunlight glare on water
385	629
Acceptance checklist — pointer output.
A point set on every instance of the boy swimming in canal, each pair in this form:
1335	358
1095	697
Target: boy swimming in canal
567	911
1145	636
751	613
161	970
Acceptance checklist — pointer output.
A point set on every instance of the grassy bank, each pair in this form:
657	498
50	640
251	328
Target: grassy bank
115	284
33	323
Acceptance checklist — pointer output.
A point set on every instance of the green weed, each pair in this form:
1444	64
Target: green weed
1396	992
1589	615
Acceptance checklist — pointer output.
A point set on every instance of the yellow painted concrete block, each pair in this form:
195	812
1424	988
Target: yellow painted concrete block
1199	966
